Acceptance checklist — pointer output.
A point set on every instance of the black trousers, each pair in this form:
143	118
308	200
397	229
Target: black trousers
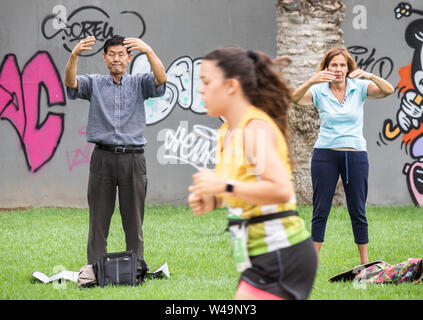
353	167
110	173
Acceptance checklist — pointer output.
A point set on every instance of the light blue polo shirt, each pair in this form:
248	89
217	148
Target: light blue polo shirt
341	125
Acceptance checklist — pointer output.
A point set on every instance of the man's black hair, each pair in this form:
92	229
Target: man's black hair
116	40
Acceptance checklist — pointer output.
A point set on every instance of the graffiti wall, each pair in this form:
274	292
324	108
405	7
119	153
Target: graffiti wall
386	38
44	157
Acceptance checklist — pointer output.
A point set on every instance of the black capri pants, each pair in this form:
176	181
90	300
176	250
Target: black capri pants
326	166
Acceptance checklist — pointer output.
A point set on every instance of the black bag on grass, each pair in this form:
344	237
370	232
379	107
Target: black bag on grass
119	268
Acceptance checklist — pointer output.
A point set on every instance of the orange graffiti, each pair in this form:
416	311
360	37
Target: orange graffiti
403	85
412	134
390	133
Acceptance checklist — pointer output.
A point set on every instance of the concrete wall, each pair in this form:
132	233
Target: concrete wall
377	32
386	39
44	158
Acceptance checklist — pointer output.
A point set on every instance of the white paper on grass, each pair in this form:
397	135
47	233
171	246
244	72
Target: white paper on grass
164	268
64	275
73	276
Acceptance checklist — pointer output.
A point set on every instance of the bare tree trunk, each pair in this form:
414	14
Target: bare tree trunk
306	30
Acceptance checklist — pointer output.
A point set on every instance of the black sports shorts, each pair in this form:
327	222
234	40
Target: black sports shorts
286	273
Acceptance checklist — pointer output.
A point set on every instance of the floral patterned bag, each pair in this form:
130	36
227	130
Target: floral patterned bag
382	272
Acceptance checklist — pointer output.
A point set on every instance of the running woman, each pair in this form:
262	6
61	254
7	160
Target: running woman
253	176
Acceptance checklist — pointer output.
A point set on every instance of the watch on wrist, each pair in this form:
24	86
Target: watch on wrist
230	186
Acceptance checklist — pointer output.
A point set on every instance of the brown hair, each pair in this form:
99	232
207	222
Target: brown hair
330	54
260	82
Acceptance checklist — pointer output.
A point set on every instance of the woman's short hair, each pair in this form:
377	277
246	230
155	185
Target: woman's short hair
330	54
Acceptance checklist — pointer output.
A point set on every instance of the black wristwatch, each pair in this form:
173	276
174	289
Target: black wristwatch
229	186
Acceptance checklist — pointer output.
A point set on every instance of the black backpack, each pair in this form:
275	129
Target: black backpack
119	268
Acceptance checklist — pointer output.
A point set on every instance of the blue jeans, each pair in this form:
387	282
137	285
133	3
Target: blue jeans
326	166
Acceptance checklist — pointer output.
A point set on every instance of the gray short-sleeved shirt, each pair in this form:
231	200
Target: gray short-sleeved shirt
116	115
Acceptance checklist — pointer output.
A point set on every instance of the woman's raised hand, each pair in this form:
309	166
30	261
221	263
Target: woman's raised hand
323	76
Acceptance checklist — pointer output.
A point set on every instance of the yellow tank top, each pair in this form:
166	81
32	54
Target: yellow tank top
231	163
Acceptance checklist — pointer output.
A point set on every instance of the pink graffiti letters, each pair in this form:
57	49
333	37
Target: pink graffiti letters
79	156
20	94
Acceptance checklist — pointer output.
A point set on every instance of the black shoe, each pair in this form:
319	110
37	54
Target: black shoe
142	269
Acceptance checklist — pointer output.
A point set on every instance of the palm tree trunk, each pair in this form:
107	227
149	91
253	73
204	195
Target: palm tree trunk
306	29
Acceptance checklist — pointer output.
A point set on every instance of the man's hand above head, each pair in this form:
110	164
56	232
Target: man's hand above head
70	75
155	63
136	44
84	45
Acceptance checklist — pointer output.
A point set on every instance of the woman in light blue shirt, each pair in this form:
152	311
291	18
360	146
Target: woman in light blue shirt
339	90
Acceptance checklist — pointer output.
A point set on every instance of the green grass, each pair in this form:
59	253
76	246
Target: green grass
395	234
197	251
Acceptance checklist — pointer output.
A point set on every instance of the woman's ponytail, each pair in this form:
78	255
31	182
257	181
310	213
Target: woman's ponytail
260	82
273	95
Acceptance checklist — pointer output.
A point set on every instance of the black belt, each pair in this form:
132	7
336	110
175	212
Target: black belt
120	149
262	218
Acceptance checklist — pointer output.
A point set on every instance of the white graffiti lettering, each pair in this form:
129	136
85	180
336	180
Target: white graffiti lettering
196	148
183	81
